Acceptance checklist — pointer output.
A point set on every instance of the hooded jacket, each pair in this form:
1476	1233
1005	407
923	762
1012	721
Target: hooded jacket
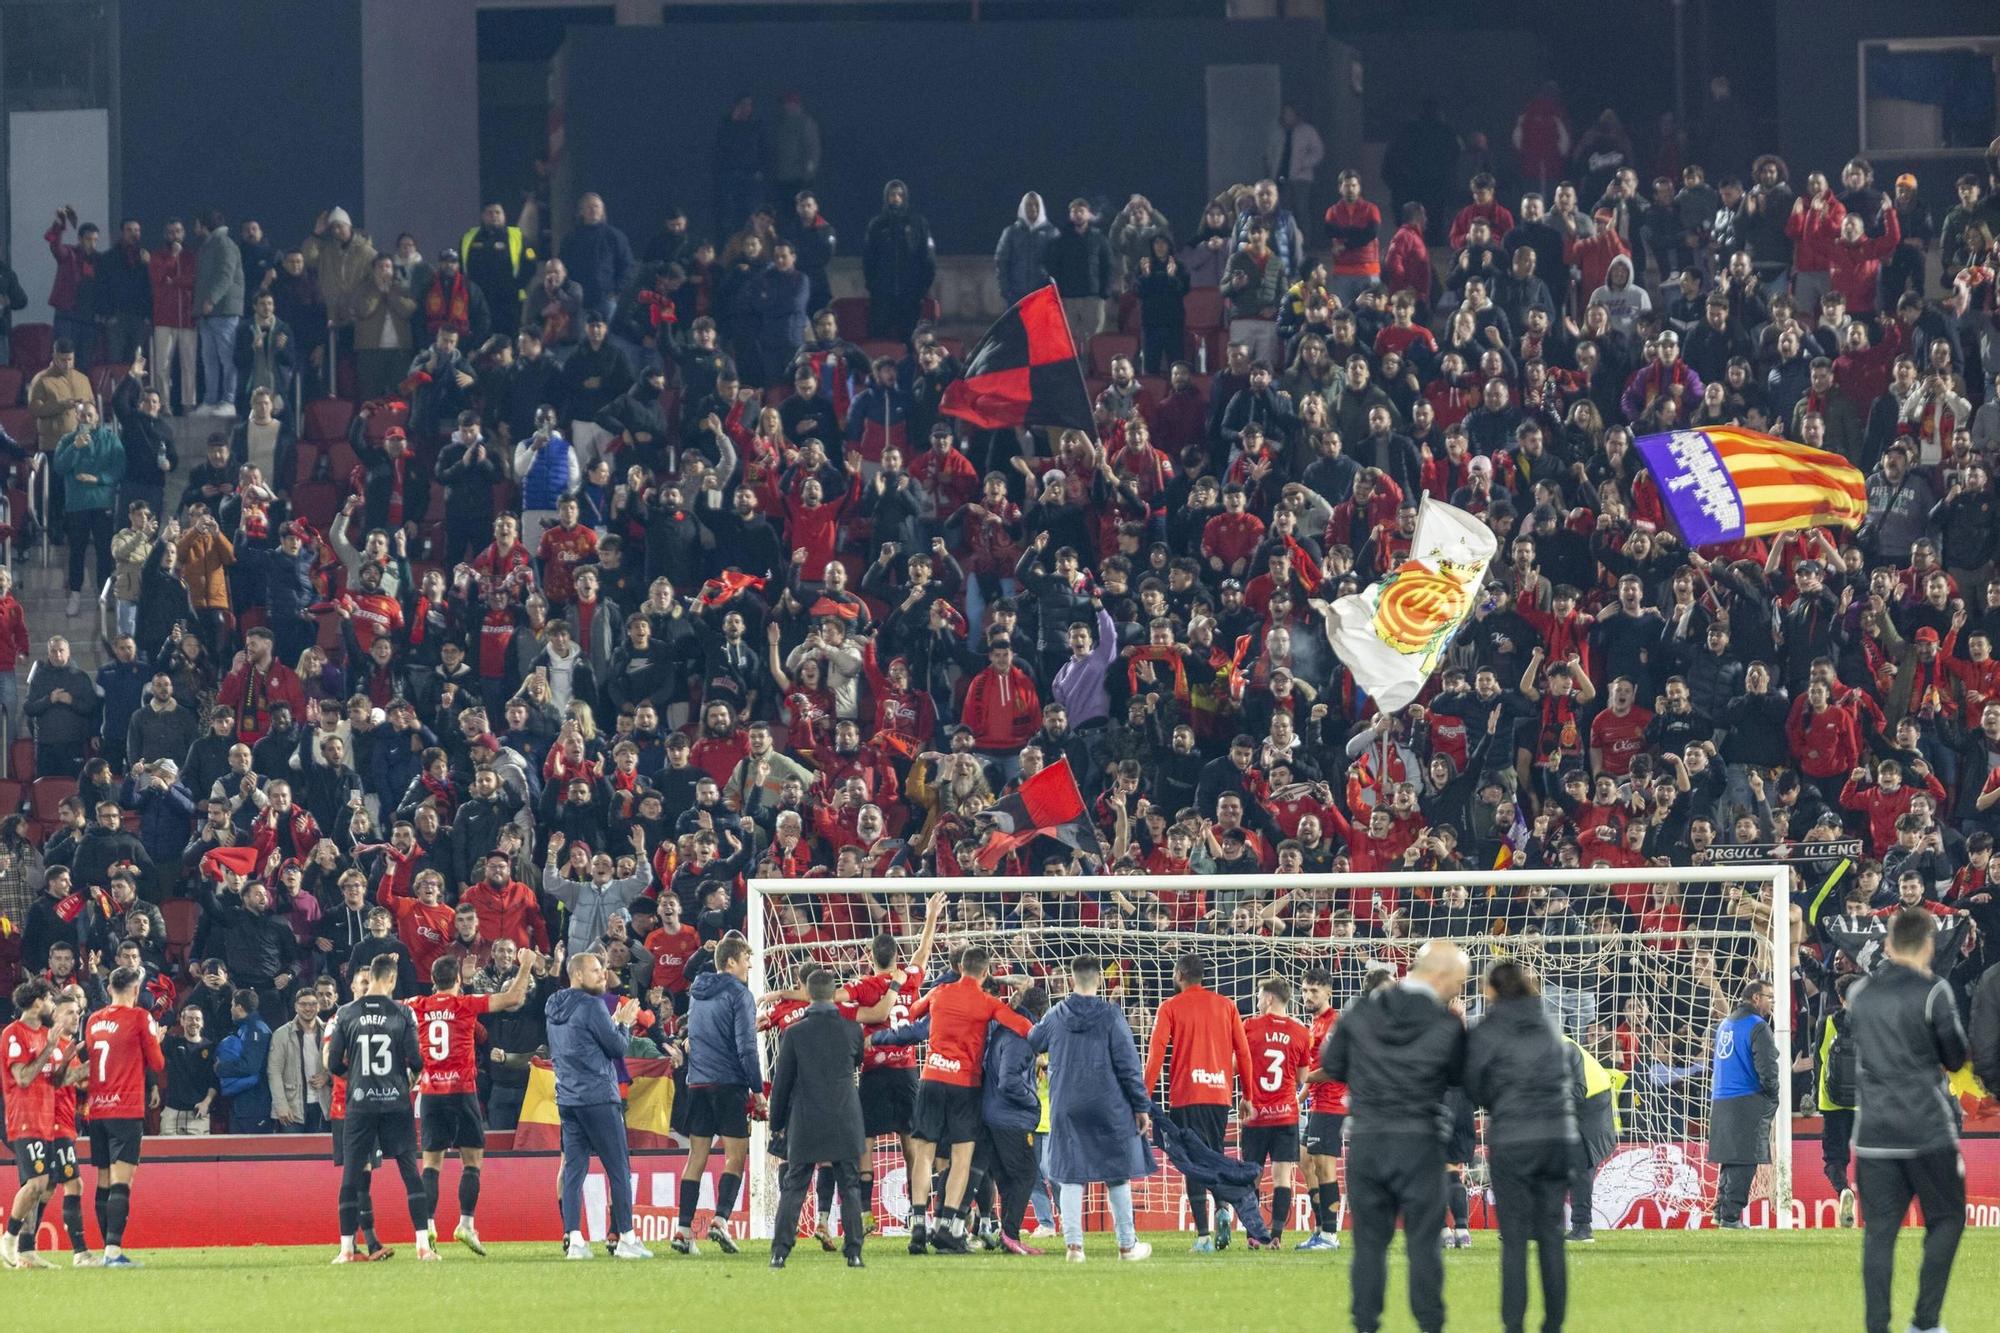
1095	1091
722	1033
1626	302
1018	259
898	258
240	1059
1397	1051
586	1048
1516	1067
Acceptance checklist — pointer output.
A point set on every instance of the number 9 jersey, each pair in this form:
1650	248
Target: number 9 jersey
447	1032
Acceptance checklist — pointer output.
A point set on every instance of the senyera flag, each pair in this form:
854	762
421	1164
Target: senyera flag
1393	634
1024	372
1721	484
1048	805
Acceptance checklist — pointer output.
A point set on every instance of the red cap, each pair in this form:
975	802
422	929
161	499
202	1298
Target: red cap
1926	635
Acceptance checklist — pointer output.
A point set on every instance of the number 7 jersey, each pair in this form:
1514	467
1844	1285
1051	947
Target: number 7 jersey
447	1032
121	1047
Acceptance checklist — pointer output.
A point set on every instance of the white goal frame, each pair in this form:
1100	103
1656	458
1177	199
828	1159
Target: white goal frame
1780	877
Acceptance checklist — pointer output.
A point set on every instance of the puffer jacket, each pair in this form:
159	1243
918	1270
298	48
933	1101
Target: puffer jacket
1397	1051
1018	259
1515	1067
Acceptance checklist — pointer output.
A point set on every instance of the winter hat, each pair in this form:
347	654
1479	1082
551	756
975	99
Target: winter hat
337	216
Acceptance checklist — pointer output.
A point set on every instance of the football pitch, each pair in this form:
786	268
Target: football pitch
1661	1282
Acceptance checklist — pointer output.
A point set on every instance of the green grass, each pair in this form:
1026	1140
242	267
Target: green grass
1660	1282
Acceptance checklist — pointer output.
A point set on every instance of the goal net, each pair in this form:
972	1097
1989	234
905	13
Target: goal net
1638	966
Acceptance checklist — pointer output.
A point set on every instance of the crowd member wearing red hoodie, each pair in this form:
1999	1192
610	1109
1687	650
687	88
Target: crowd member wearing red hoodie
1888	800
1814	230
1002	707
508	909
14	647
1825	738
1407	267
1204	1035
947	1113
1484	207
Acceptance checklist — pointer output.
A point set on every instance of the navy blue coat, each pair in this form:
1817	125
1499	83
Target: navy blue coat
1095	1089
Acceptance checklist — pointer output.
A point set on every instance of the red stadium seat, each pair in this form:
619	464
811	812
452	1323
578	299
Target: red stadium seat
12	385
327	418
1128	312
1106	346
383	419
342	460
183	918
1204	309
346	380
33	345
21	762
48	793
13	795
1157	387
850	315
930	309
18	424
877	348
317	501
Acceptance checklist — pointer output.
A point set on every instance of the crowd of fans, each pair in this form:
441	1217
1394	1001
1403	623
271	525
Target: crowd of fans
528	601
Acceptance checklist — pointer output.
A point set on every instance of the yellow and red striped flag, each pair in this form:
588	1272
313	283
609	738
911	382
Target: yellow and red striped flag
649	1106
1722	484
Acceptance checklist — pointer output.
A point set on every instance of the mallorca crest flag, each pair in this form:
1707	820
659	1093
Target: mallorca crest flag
1721	484
1393	635
1024	372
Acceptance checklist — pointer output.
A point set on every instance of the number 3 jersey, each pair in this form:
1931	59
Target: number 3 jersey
448	1031
374	1047
1281	1051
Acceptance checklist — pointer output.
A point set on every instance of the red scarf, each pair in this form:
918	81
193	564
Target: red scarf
441	791
1171	658
449	312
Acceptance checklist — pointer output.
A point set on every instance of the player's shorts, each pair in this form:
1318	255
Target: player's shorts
115	1141
451	1120
45	1159
1270	1143
1323	1133
718	1111
1459	1135
946	1114
888	1101
1210	1124
391	1133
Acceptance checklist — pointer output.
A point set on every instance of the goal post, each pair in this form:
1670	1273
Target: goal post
1645	1001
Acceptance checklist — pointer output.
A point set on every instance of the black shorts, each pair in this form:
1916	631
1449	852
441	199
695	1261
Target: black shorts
45	1159
1210	1124
946	1114
1323	1133
451	1120
1270	1143
115	1141
718	1111
888	1101
385	1133
1459	1135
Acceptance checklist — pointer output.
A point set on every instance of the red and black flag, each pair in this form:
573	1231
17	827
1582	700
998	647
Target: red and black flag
1048	805
1024	372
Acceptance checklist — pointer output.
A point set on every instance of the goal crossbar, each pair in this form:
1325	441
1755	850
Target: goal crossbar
1772	932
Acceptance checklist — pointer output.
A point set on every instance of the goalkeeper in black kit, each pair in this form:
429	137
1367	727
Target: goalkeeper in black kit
374	1047
1907	1035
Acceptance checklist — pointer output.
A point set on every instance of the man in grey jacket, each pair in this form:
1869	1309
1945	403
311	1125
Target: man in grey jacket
218	300
587	1045
301	1089
1907	1034
591	904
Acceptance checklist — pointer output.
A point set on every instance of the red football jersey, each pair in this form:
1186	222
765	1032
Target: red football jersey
447	1030
122	1047
66	1095
1620	739
787	1012
868	992
1281	1050
1327	1097
31	1111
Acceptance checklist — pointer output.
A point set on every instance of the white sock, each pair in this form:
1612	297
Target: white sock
576	1238
347	1245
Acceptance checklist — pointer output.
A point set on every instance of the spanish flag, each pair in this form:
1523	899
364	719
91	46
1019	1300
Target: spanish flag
1723	484
649	1107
